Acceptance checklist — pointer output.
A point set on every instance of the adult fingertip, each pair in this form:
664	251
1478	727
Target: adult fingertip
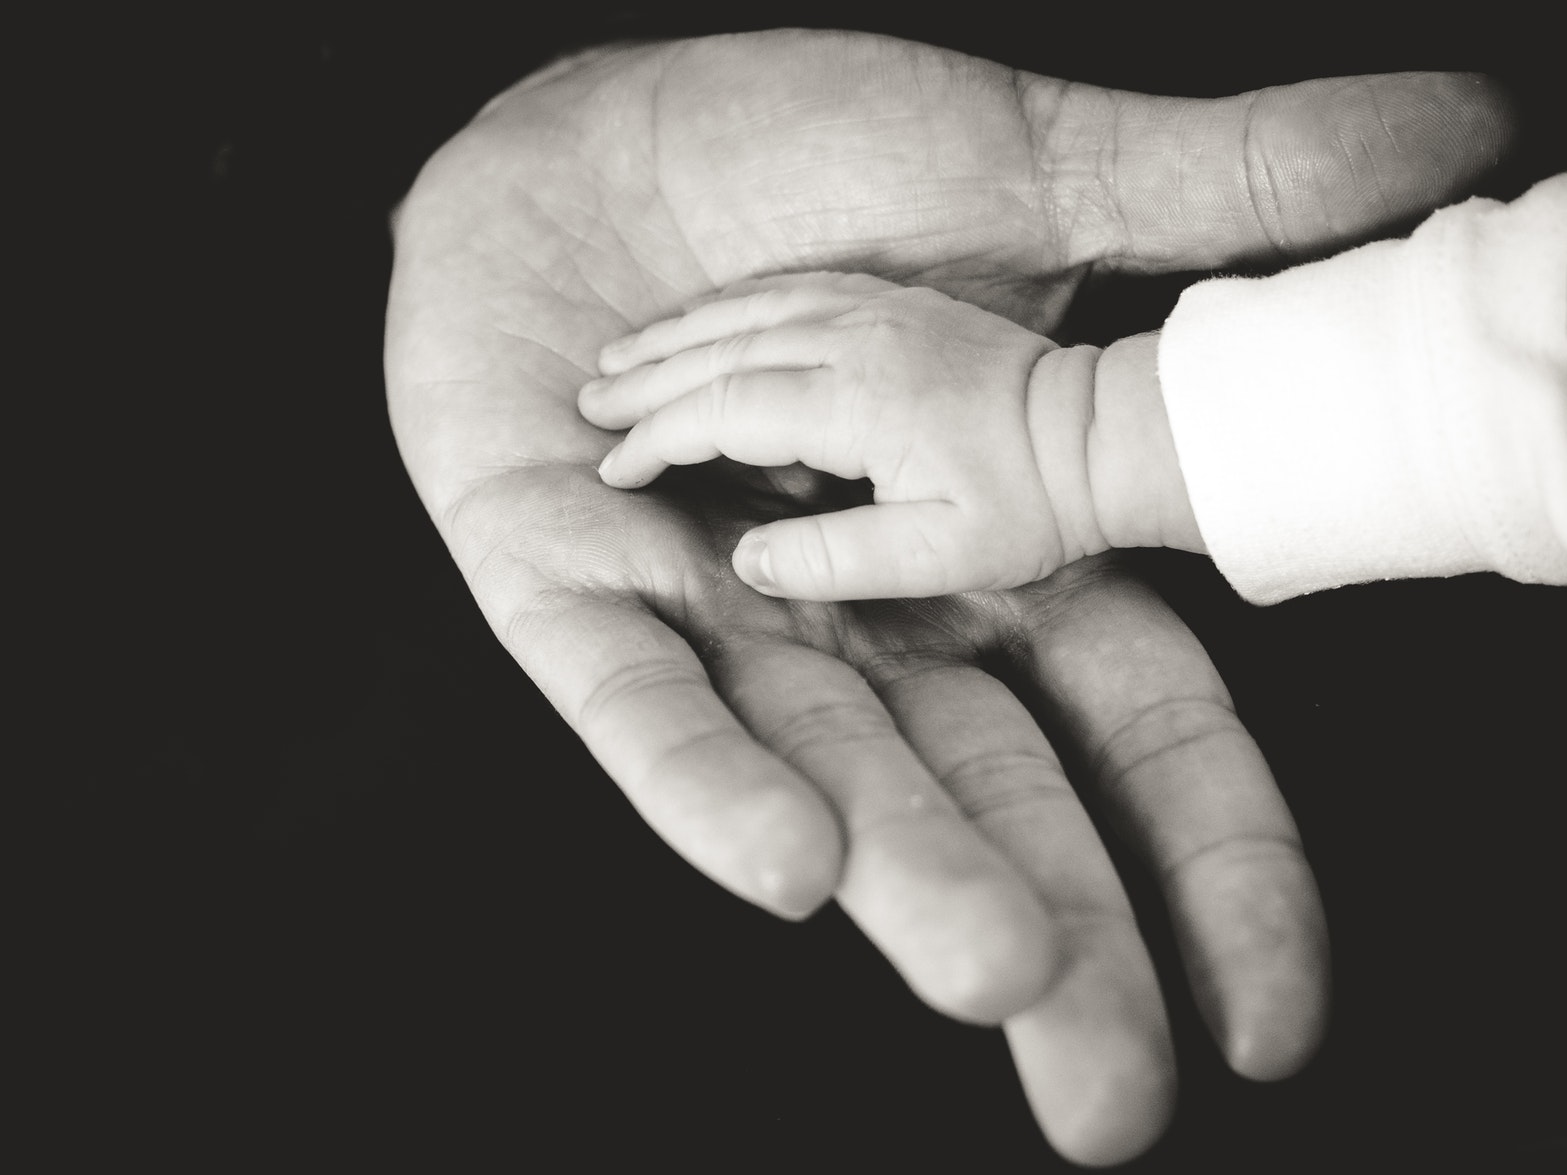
970	940
1276	1039
1426	139
1259	962
1490	114
1264	1053
1446	129
1113	1122
1005	972
793	894
1095	1058
796	867
1127	1141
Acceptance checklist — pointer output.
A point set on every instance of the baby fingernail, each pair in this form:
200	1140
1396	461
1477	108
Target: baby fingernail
611	459
611	352
754	563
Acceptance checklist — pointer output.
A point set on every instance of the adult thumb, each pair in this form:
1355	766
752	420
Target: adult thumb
1152	184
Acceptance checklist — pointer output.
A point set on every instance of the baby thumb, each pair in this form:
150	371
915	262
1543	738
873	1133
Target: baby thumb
870	552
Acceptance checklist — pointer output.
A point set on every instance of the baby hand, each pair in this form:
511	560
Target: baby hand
860	378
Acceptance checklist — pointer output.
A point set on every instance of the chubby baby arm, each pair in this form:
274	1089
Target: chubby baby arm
980	437
1119	464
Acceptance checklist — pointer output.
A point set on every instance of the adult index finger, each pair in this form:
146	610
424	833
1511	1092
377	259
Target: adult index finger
1094	1053
949	911
641	701
573	616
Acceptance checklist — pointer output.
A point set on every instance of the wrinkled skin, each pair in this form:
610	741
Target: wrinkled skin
798	752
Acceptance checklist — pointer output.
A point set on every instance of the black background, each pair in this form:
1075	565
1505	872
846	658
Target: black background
336	890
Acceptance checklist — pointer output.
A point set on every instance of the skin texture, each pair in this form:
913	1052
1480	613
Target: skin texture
798	751
995	457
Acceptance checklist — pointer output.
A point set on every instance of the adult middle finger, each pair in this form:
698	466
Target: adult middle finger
1094	1053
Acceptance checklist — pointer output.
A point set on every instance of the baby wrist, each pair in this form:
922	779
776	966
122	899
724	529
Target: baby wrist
1105	450
1060	411
1135	478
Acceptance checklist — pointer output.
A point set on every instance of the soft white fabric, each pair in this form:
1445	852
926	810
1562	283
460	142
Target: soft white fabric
1398	410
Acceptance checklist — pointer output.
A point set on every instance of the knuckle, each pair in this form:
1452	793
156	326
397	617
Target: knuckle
656	338
764	302
715	403
728	353
856	417
785	300
926	559
776	303
876	319
1262	189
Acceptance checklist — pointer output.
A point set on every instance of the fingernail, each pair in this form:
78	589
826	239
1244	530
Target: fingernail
609	352
754	563
592	388
607	466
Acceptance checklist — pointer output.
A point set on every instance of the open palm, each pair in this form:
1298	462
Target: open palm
800	751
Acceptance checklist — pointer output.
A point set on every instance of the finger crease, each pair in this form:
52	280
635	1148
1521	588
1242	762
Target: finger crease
1208	720
1261	846
1002	781
636	679
661	762
827	724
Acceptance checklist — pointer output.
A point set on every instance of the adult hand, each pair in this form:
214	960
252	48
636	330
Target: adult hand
795	751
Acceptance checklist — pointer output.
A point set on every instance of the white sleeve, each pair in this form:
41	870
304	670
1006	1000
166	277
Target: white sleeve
1398	410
